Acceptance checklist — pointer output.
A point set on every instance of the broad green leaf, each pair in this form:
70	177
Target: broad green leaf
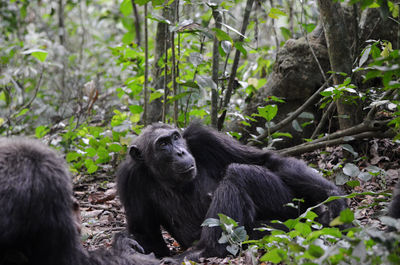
90	166
40	131
239	46
275	255
296	125
222	35
90	151
227	220
233	249
267	112
155	95
315	251
72	156
115	148
126	7
275	13
346	216
303	228
136	109
351	170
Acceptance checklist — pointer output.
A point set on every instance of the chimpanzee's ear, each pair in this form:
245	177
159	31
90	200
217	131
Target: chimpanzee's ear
135	153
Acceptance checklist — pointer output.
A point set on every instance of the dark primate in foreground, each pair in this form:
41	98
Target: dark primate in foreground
178	180
394	208
38	224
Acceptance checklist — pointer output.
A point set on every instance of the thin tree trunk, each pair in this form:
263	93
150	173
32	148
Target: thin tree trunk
146	67
337	40
215	68
137	22
235	65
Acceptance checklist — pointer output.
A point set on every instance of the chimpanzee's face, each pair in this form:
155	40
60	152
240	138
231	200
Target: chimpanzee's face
166	155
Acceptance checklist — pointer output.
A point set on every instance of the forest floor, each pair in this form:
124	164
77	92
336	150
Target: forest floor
103	216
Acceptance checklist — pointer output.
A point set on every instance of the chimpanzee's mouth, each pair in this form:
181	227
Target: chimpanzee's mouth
187	170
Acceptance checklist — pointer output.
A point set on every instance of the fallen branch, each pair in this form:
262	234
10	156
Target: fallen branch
312	146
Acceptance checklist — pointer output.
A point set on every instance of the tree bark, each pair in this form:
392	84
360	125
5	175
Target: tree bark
161	46
338	43
215	69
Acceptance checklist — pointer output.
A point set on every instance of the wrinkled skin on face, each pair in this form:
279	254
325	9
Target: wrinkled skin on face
165	153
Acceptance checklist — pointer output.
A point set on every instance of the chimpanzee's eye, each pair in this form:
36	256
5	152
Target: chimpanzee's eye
176	136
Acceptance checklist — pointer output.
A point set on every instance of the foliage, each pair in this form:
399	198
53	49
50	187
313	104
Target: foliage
307	242
232	234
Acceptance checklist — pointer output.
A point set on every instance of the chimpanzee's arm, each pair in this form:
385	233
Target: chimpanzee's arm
143	222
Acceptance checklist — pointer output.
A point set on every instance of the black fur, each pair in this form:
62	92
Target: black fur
250	185
37	223
394	208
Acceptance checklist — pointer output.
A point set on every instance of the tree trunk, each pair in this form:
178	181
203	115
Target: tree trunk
155	107
338	43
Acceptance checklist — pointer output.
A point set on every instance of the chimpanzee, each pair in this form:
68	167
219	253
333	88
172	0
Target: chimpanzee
178	180
38	223
394	208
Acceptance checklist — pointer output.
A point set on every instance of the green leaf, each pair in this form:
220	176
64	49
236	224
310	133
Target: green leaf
72	156
303	228
267	112
351	170
275	255
39	54
239	46
41	131
233	249
315	251
353	183
115	148
126	7
128	38
346	216
227	220
179	96
155	95
90	166
286	33
22	112
222	35
142	2
275	13
91	152
135	109
211	222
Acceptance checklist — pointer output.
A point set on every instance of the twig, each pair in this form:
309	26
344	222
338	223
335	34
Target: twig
295	114
321	124
308	43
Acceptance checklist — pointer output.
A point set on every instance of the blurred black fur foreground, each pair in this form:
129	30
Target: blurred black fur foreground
38	216
177	180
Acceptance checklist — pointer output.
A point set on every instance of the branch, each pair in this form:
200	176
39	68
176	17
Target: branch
295	114
296	150
235	65
321	123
